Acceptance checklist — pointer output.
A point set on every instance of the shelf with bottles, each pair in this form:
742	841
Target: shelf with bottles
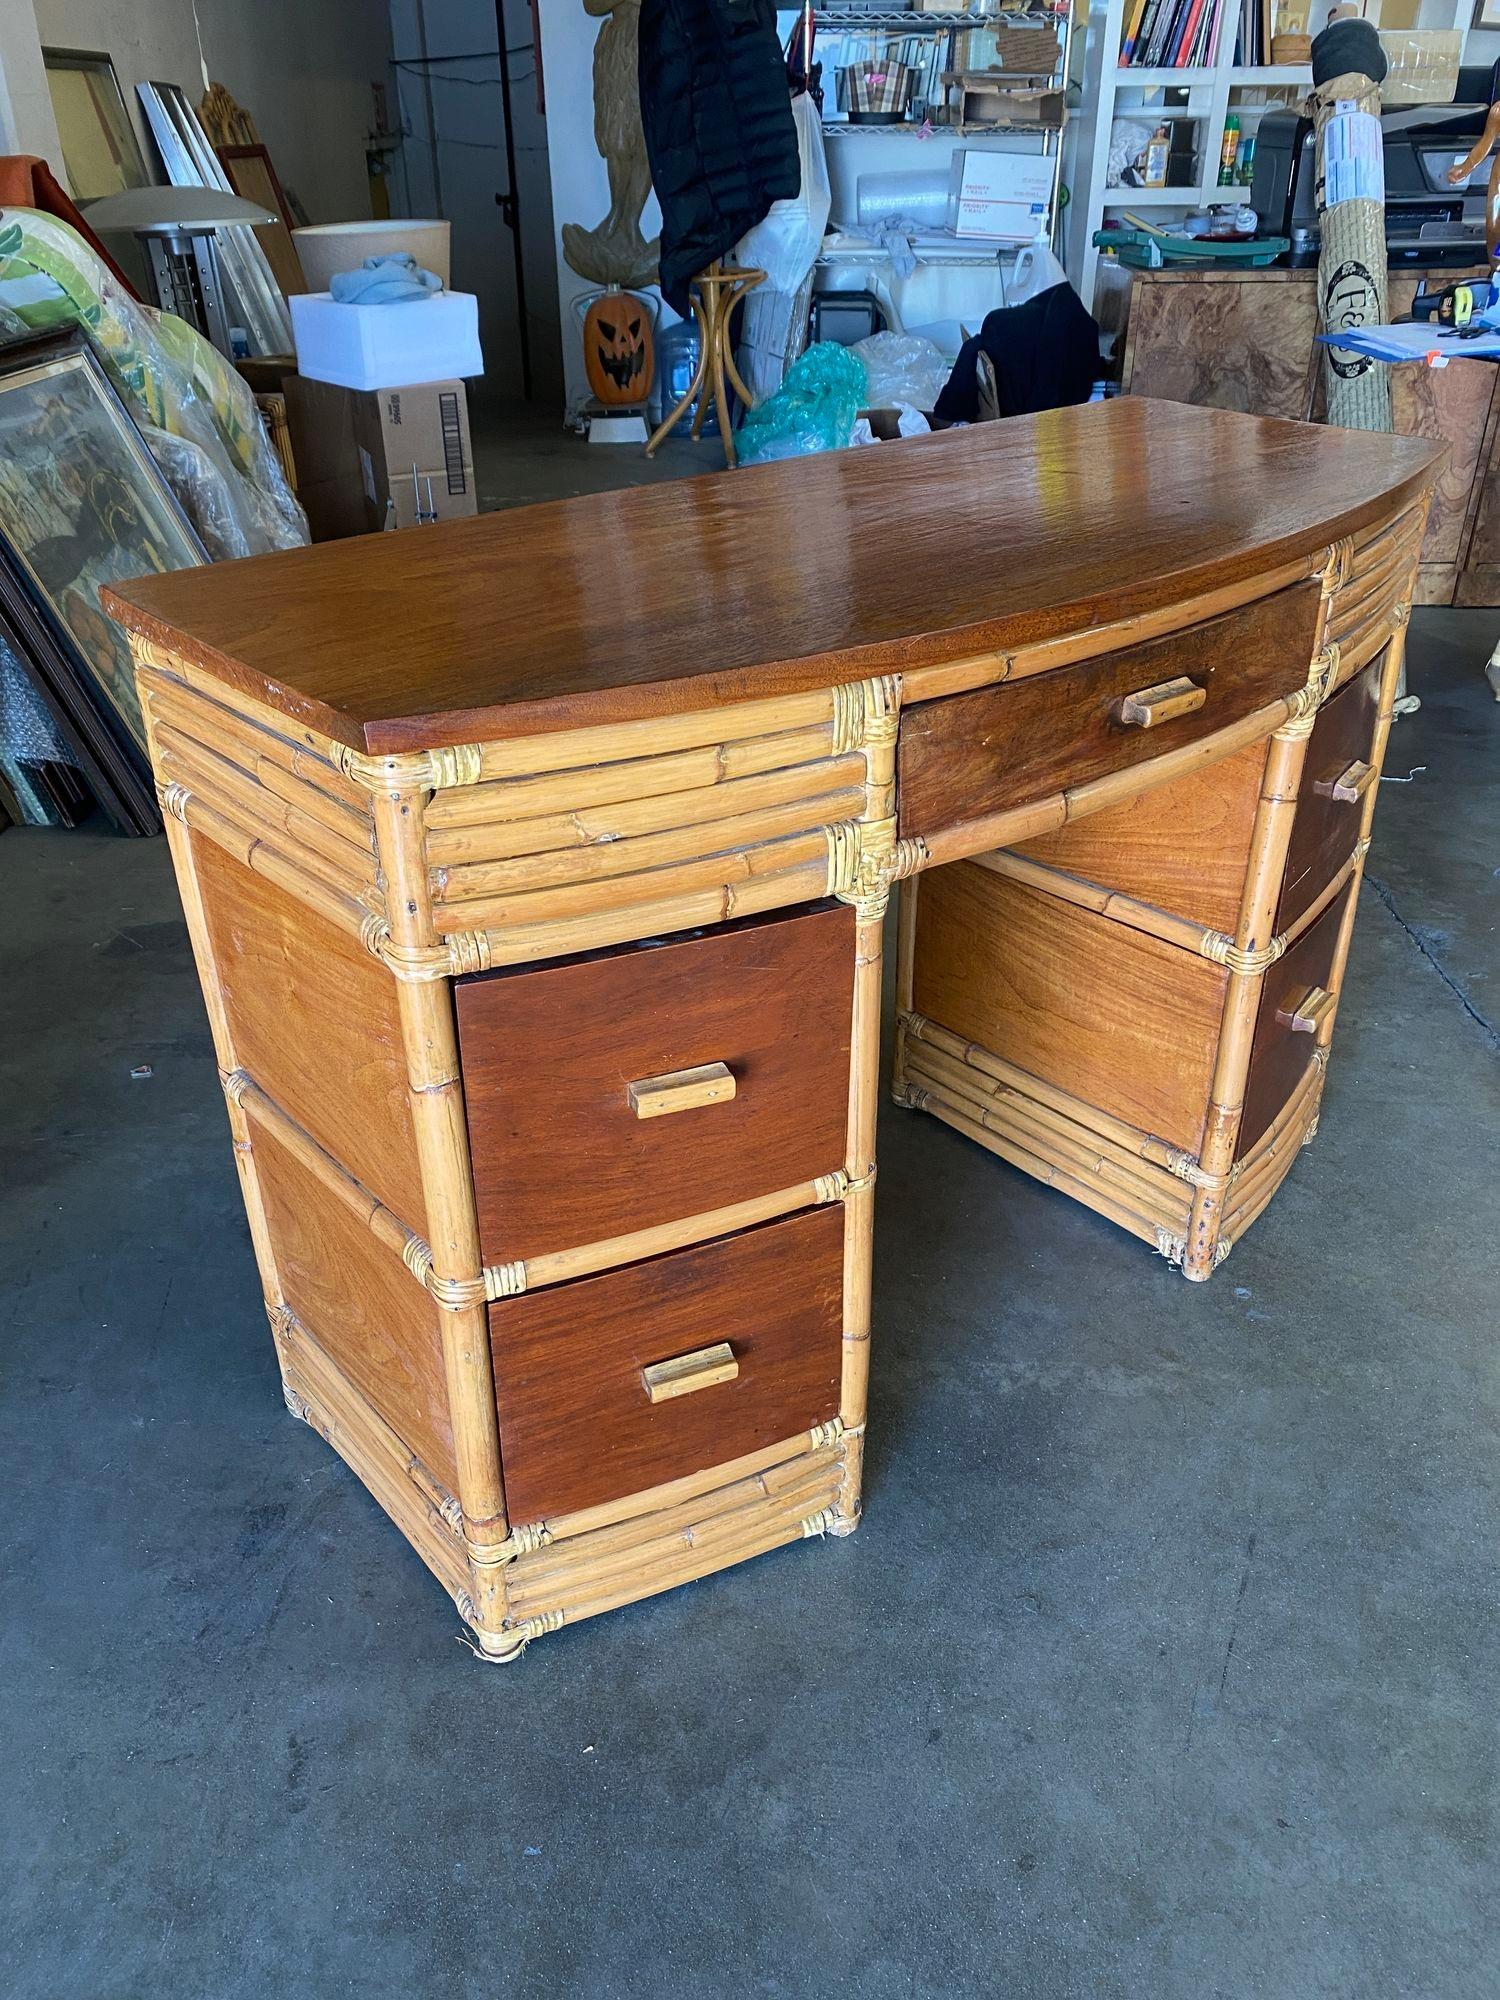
1207	91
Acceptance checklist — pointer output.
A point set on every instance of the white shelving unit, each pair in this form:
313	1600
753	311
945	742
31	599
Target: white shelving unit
930	40
846	34
1203	97
1212	92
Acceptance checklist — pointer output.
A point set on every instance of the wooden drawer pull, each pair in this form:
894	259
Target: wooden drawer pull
1350	785
688	1373
1309	1014
1164	703
681	1090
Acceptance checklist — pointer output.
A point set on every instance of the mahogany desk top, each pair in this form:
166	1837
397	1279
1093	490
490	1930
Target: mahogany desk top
774	579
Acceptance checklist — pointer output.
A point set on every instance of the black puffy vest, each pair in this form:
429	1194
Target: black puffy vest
719	130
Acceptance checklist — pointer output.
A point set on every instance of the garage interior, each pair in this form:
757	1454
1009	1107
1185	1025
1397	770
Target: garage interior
1163	1660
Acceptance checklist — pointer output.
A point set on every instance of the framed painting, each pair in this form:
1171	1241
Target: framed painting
99	146
249	172
81	504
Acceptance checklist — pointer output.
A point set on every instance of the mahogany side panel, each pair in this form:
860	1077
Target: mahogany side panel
314	1019
577	1426
967	756
1182	846
561	1154
1113	1017
360	1304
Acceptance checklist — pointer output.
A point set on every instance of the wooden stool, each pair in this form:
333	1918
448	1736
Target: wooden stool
713	294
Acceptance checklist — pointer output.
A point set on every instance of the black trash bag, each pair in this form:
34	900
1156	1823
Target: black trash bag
1045	355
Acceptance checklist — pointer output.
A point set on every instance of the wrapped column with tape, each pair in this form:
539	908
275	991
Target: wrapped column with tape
1348	64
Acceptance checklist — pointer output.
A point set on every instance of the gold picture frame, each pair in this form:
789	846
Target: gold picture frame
101	152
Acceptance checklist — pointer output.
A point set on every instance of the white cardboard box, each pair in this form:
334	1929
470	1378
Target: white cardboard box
1001	196
386	347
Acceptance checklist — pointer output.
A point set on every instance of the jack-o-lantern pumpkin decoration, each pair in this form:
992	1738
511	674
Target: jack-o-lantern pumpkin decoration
617	348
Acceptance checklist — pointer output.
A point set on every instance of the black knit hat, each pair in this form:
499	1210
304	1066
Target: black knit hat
1345	48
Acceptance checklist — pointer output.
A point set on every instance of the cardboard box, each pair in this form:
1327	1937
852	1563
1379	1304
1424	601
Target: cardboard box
1002	196
369	458
988	99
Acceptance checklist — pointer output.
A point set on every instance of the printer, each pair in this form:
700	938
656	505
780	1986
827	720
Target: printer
1426	220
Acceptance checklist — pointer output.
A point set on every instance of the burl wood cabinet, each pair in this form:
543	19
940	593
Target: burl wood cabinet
1244	340
537	870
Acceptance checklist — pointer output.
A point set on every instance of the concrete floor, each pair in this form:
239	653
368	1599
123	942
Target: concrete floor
1163	1666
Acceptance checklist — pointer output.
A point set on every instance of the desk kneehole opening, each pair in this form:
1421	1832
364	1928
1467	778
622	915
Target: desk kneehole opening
686	1374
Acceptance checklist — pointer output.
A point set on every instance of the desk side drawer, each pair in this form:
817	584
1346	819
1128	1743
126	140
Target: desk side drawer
645	1084
582	1422
1336	778
969	756
1294	1001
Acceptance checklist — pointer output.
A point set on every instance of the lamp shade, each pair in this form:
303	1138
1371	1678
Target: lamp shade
164	211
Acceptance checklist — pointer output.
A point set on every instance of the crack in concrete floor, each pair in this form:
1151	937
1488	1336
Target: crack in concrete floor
1481	1020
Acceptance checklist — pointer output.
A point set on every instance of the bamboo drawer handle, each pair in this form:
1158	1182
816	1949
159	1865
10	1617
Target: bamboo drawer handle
681	1090
1163	703
688	1373
1350	785
1310	1012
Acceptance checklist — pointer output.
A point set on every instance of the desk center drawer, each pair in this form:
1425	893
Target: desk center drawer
968	757
642	1085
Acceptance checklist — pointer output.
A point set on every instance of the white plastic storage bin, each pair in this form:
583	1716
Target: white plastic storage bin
390	346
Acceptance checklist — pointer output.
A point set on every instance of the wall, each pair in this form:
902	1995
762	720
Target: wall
580	186
301	68
447	96
26	121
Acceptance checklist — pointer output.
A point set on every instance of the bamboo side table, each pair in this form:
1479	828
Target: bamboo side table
714	294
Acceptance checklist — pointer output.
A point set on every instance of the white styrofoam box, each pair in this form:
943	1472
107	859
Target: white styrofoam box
386	347
1002	196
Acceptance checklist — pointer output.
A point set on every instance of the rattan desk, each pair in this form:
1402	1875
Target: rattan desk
537	869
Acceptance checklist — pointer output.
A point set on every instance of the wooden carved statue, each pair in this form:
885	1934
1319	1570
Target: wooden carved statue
615	252
1485	149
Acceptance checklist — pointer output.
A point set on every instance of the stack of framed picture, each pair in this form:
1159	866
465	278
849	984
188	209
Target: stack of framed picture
190	161
81	504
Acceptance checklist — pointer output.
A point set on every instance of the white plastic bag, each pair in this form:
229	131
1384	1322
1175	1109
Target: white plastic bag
786	244
1036	270
902	368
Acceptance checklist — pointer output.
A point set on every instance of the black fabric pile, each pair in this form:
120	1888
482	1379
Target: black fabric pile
1045	354
719	129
